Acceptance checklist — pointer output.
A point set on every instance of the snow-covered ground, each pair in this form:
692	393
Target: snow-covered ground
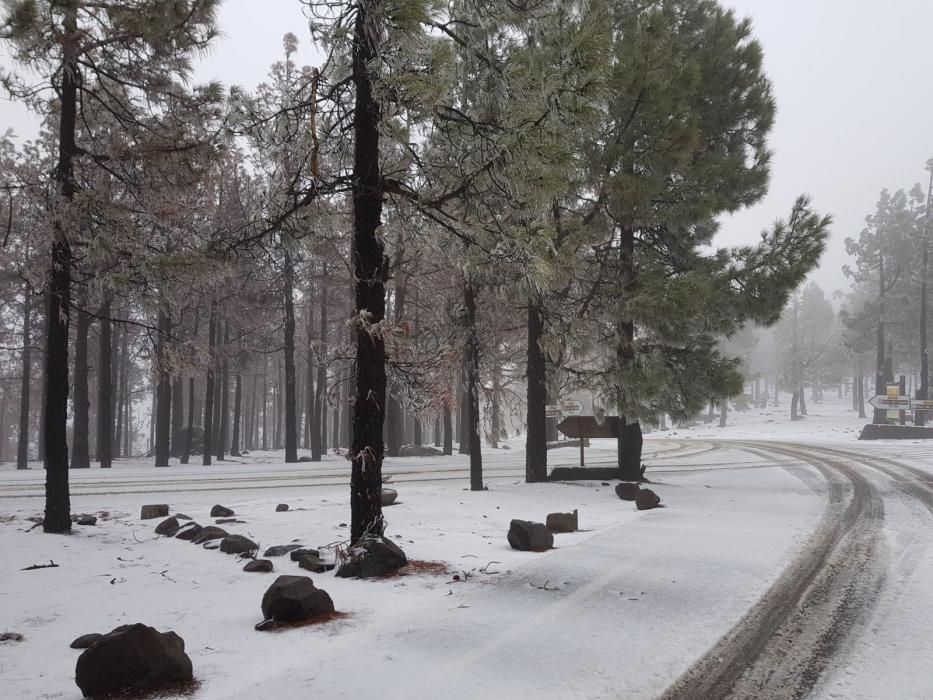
617	610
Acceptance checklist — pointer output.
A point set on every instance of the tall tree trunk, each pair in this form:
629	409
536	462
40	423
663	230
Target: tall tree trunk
723	412
122	403
309	385
803	400
536	372
448	426
81	453
265	403
189	431
436	432
319	425
209	389
629	443
861	395
880	416
923	389
463	424
57	498
224	407
794	401
369	265
164	393
22	446
291	419
630	437
472	387
105	386
178	416
237	401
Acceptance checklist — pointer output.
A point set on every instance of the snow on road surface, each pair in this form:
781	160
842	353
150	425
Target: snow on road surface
619	610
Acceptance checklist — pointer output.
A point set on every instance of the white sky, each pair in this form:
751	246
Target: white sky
852	78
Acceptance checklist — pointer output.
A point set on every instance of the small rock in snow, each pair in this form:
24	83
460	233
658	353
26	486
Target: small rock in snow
159	510
260	565
281	508
220	511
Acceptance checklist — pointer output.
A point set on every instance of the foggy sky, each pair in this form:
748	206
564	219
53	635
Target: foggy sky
852	79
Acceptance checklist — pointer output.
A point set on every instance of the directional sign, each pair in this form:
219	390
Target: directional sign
587	427
890	403
921	404
571	408
552	410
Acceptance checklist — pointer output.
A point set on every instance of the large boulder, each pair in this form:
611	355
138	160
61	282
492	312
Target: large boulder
237	544
210	533
133	659
314	564
295	599
189	531
220	511
168	527
280	550
562	522
372	556
647	499
527	536
159	510
627	491
297	554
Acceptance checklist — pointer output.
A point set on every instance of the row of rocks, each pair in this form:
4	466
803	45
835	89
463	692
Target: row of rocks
645	499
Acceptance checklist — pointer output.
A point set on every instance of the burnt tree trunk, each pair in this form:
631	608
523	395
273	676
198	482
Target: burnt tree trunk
22	445
81	451
209	390
163	393
369	269
291	419
224	403
105	386
472	387
178	416
536	372
319	426
309	384
122	400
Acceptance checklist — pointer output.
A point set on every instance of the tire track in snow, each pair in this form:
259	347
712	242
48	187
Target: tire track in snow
782	645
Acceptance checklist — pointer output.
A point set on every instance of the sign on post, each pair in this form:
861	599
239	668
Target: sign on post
552	410
571	408
895	403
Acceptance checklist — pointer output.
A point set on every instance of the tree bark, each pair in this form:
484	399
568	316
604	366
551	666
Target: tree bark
630	437
22	446
121	406
319	426
57	498
209	390
105	386
81	453
163	392
291	419
178	416
629	444
448	427
224	403
536	373
366	452
472	387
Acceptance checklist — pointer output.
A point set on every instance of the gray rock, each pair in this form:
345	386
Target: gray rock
281	508
85	640
237	544
419	451
168	527
10	637
305	458
211	545
226	521
182	516
527	536
189	531
210	533
562	522
647	499
280	550
372	556
388	496
153	511
220	511
314	564
627	491
295	599
262	565
86	519
297	554
133	659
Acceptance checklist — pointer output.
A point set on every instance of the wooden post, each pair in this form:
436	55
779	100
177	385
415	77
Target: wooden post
580	430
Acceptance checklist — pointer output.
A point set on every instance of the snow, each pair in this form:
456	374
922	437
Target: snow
619	609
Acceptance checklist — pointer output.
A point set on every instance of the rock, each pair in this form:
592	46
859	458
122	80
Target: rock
220	511
305	458
647	499
154	511
211	545
388	496
263	565
280	550
225	521
237	544
133	659
10	637
527	536
419	451
85	640
372	556
244	452
84	519
182	516
313	563
297	554
210	533
562	522
627	491
295	599
168	527
281	508
189	531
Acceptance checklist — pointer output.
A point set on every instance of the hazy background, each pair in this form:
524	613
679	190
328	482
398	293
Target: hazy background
852	80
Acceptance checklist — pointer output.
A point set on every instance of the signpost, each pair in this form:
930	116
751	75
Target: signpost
900	403
552	410
583	427
571	408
